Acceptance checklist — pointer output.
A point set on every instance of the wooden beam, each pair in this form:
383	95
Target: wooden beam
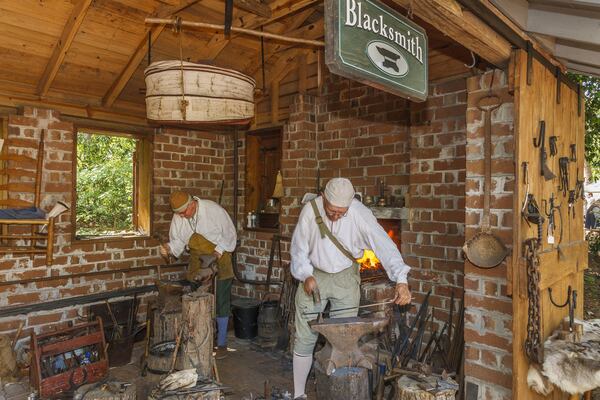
279	9
134	61
97	113
463	27
254	6
62	46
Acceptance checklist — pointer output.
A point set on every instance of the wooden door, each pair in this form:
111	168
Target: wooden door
564	118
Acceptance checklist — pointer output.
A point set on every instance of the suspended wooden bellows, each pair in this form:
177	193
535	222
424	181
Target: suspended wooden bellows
187	93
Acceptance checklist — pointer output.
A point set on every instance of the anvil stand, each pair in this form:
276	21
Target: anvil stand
341	367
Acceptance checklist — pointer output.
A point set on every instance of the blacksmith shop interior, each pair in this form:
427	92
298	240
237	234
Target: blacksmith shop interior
193	192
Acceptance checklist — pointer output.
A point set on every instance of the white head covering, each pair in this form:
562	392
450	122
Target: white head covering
339	192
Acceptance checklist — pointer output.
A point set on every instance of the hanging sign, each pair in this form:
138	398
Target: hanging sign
369	42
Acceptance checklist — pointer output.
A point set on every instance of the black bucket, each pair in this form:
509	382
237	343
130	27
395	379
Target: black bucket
267	321
245	316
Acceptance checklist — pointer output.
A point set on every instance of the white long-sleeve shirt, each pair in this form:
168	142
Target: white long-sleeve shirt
211	221
357	231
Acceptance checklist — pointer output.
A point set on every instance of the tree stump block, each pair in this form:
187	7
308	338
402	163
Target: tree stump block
108	392
343	384
409	388
197	339
165	325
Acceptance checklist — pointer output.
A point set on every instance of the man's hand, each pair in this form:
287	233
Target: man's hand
310	284
403	295
164	250
217	255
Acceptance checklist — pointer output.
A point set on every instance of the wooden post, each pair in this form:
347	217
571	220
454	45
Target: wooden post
197	343
407	388
344	383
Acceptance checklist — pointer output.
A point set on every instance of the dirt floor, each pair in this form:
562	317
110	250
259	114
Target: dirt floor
244	371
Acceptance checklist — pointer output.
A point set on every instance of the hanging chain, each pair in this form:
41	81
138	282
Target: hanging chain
533	343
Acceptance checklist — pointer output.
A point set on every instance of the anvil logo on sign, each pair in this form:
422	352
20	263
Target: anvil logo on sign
372	43
387	58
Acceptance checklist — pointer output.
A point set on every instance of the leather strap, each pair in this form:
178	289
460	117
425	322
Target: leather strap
324	230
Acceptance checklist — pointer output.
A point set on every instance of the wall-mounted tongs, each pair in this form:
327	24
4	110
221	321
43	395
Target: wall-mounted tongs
540	142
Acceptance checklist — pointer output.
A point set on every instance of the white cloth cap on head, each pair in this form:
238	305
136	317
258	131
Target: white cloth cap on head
339	192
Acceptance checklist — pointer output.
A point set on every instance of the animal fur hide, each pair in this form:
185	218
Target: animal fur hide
571	367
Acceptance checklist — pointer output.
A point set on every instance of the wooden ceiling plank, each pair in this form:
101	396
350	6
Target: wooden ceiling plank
119	84
62	46
254	6
463	27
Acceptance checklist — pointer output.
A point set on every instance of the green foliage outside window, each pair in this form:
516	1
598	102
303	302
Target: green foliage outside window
591	92
104	184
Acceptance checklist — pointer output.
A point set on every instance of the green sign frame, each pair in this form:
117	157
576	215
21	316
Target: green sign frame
371	43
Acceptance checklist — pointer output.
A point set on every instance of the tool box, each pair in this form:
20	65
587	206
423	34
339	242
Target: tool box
63	360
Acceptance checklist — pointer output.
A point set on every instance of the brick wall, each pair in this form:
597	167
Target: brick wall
488	311
434	233
188	160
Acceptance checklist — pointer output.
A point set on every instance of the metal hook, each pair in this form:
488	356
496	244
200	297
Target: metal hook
566	303
541	135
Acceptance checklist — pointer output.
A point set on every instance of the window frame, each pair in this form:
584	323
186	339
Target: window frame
142	181
252	178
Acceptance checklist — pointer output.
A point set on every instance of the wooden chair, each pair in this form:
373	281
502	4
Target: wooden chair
22	166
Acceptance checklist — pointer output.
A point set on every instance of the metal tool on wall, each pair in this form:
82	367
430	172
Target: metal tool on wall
571	302
563	170
552	144
540	142
485	250
533	215
525	166
551	209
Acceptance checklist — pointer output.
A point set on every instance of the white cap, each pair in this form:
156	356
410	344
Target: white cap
339	192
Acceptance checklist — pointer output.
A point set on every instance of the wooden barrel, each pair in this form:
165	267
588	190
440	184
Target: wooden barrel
188	93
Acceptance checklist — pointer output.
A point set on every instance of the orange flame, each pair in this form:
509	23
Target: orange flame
369	261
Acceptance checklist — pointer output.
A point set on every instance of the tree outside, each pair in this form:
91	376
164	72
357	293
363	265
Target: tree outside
104	184
591	92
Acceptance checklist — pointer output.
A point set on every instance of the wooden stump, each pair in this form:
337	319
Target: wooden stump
343	384
165	325
422	389
197	340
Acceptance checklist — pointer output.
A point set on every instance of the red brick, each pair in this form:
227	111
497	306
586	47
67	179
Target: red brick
25	298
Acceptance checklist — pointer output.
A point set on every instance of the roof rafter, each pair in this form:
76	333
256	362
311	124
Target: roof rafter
62	46
254	6
136	58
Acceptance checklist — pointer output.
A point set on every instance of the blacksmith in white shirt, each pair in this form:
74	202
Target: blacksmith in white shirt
319	262
204	228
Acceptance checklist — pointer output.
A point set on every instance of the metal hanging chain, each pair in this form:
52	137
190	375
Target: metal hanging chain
533	343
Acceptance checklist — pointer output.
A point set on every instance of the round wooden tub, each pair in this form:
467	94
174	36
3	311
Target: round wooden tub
210	94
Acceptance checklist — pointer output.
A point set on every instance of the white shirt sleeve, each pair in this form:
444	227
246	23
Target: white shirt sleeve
228	237
176	242
383	246
300	265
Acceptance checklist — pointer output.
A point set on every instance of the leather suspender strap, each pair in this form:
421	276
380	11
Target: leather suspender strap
324	230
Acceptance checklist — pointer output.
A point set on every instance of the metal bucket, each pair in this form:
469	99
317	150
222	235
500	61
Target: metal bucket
267	321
